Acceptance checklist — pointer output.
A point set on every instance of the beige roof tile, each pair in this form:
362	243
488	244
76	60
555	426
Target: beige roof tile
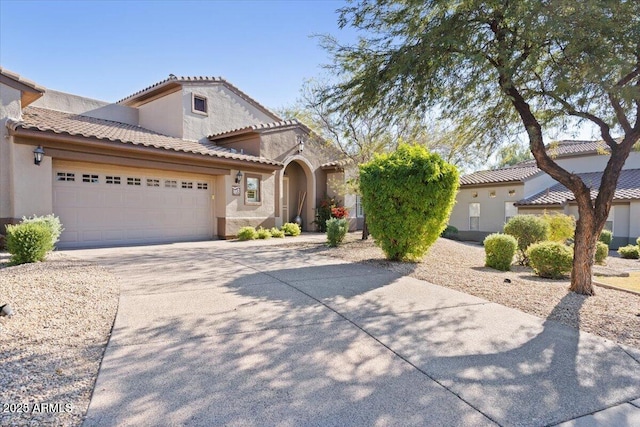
259	127
45	120
511	174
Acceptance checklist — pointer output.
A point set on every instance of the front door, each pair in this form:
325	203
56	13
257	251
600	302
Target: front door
285	200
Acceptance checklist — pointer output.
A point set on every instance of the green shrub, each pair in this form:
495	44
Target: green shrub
263	233
291	229
602	252
561	227
638	241
336	231
408	196
527	229
28	242
629	252
323	213
550	259
499	250
279	234
51	221
605	237
247	233
450	232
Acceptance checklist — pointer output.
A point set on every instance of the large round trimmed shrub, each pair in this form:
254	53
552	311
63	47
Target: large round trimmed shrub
550	259
408	196
527	229
606	237
28	242
561	227
499	250
602	252
629	252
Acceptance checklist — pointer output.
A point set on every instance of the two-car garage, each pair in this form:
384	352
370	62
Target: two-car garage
112	205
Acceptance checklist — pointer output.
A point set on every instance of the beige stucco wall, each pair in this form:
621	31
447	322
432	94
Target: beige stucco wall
634	219
163	115
32	193
596	162
238	213
9	108
62	101
226	111
492	209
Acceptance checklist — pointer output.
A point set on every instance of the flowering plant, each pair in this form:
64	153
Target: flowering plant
339	212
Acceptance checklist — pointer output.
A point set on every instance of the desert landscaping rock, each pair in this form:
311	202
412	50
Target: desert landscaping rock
53	344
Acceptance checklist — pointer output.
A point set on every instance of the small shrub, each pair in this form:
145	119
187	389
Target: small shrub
527	229
337	229
51	221
279	234
28	242
550	259
247	233
263	233
561	227
291	229
605	237
450	232
629	252
499	250
602	252
408	196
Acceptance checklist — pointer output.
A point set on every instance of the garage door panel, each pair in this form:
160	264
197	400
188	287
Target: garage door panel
107	213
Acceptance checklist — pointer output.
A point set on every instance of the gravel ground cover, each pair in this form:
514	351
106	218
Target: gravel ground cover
51	348
612	314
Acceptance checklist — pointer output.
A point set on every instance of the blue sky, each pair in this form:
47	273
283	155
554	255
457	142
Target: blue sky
110	49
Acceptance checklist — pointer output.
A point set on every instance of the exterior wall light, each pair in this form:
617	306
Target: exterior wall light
238	177
38	153
300	143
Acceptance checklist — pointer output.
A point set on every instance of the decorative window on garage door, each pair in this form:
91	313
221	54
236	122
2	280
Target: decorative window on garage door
203	186
65	176
93	179
112	179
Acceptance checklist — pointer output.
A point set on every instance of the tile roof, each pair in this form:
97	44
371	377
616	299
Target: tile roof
18	78
337	164
196	79
259	127
515	173
628	188
45	120
528	168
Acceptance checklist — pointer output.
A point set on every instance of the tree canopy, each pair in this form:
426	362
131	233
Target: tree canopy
499	66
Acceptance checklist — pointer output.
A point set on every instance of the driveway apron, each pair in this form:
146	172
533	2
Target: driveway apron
254	334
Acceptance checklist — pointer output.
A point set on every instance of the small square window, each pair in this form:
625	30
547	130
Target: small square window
112	180
187	184
199	104
93	179
170	184
133	181
203	186
65	176
153	183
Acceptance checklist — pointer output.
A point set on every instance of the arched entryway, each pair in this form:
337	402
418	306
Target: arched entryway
298	180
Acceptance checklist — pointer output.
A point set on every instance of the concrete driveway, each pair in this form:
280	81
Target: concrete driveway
252	334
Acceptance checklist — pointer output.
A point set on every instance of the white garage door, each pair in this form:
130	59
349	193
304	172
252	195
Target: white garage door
103	205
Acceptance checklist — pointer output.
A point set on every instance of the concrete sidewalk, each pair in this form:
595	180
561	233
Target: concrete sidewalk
252	334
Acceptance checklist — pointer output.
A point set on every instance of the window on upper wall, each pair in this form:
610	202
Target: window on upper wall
198	104
252	189
474	216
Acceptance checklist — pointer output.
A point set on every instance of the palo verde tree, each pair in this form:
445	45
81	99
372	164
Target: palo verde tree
534	64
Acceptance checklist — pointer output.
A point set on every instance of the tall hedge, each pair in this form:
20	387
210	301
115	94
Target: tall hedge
408	196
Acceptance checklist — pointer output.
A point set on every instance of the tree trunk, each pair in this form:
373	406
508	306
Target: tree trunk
365	229
586	236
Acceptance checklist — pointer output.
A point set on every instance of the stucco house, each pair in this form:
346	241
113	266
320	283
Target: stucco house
487	199
186	158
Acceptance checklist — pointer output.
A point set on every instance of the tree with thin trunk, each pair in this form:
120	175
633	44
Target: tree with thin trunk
496	64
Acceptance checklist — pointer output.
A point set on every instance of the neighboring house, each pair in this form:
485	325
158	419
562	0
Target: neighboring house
487	199
187	158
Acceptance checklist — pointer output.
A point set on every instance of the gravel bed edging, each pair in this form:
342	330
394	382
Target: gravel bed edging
53	345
